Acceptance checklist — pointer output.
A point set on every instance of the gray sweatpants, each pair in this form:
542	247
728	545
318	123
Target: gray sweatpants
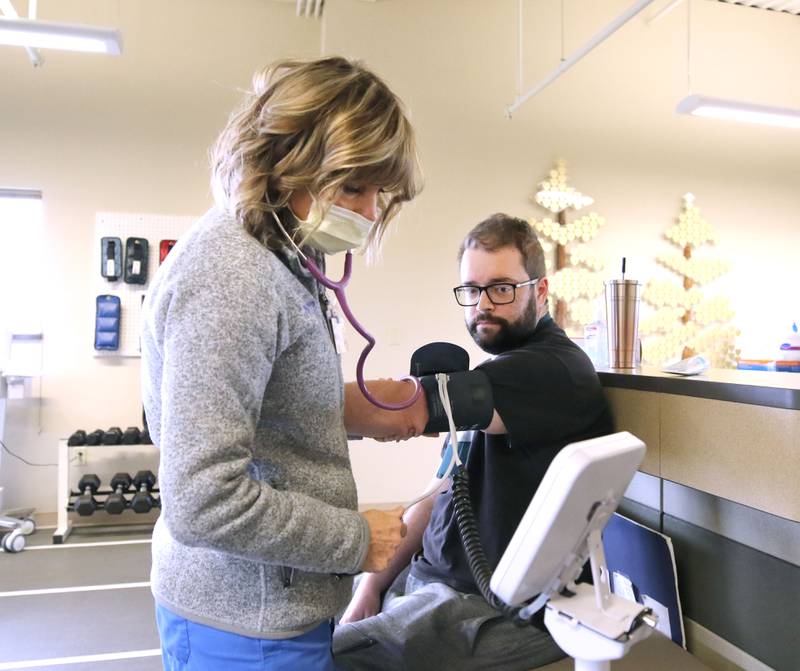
429	626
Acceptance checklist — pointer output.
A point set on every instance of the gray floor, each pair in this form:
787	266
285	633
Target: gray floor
107	621
657	653
73	624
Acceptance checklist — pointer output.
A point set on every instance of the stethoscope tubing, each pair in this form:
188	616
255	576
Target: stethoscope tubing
338	289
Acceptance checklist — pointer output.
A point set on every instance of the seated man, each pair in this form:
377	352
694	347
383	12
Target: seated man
546	395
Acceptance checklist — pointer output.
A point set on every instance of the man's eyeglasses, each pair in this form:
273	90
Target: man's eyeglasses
499	293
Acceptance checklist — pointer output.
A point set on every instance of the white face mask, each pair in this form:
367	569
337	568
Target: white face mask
340	230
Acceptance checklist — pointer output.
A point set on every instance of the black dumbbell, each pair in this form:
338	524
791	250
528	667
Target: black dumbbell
77	438
144	437
113	436
88	486
143	501
131	436
95	437
116	502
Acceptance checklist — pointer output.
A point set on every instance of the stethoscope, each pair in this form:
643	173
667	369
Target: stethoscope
338	290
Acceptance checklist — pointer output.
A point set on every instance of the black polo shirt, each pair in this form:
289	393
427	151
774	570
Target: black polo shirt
548	395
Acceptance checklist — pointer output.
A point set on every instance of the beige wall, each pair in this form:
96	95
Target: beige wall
130	134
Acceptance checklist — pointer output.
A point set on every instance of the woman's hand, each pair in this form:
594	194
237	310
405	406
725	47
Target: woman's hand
397	439
362	418
392	439
386	532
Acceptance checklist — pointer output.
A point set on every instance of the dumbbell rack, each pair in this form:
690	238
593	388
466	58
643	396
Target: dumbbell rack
119	457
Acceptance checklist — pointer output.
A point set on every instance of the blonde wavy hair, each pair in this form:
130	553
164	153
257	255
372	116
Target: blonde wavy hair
314	125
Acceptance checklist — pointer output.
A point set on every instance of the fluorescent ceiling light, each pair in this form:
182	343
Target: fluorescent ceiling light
739	111
51	35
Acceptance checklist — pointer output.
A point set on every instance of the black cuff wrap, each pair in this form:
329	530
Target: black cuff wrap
439	357
470	397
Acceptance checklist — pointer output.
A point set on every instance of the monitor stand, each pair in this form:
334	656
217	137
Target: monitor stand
591	624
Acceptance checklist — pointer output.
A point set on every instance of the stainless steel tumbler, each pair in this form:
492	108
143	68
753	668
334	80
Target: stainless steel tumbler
622	319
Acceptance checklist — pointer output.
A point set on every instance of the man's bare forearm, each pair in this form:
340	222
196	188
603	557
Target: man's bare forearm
362	418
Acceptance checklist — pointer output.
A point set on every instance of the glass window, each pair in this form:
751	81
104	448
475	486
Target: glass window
22	264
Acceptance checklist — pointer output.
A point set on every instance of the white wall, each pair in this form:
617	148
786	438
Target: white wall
131	134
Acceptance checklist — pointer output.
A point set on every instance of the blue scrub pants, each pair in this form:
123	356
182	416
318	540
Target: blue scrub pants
189	646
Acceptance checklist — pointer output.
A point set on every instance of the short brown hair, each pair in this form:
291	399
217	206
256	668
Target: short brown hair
501	230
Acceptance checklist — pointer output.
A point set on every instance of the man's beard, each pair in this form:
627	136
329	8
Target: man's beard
508	336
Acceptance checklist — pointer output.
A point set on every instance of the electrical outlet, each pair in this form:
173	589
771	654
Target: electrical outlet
80	456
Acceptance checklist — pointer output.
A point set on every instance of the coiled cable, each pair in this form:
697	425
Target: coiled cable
476	557
467	525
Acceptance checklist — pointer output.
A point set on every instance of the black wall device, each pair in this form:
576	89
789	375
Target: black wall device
111	258
136	251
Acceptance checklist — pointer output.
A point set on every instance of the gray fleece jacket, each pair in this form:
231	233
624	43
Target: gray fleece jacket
244	397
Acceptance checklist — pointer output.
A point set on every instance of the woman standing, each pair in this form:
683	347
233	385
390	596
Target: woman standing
242	385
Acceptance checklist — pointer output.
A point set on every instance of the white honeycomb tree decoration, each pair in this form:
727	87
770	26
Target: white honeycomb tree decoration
574	270
684	322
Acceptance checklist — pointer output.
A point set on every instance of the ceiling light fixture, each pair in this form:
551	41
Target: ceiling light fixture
7	10
733	110
729	110
52	35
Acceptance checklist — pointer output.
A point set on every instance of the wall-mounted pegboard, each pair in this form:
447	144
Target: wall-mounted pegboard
152	227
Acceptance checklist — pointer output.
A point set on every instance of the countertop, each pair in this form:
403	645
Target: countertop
753	387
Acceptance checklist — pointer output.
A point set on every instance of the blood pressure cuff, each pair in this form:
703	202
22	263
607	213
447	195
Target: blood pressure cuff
470	397
439	357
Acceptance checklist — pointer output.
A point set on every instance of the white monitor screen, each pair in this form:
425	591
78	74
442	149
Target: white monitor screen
548	548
